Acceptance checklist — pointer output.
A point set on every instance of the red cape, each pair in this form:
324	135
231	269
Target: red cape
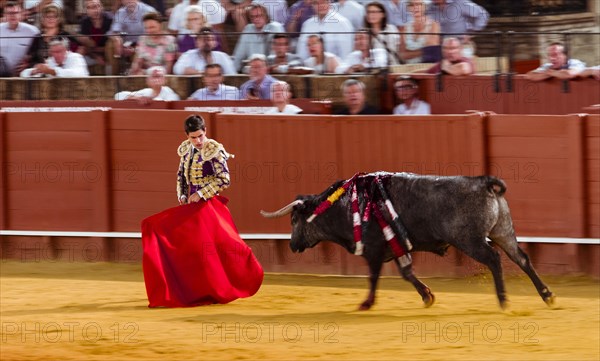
193	255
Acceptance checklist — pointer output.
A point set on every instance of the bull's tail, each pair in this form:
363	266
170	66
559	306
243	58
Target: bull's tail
496	185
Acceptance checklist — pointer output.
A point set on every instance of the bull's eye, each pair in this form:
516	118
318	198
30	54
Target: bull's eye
294	219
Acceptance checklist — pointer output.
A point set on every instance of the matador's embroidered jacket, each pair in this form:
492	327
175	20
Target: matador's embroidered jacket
203	171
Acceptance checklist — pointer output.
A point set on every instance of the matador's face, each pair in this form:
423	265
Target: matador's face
197	138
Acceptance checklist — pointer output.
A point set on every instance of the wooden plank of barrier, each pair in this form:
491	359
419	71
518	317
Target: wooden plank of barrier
576	169
310	106
444	145
79	105
100	187
592	175
532	155
50	183
4	165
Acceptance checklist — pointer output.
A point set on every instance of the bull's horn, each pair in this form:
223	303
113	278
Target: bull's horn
283	211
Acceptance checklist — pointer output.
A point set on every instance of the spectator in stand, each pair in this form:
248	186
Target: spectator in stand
298	13
193	62
351	10
282	60
236	11
355	103
384	35
453	62
319	60
17	37
407	90
277	9
95	25
156	89
33	9
558	66
213	11
214	89
419	33
459	17
61	63
257	36
51	26
194	21
153	48
364	58
125	31
280	97
396	12
337	31
259	85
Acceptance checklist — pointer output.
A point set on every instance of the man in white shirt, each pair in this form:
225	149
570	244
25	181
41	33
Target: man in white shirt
61	63
16	38
213	11
214	87
558	66
351	10
156	88
407	90
193	62
280	97
337	31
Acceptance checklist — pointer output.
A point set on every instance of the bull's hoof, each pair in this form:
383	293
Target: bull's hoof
365	306
550	299
429	299
504	304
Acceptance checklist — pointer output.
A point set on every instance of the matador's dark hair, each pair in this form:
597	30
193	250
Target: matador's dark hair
194	123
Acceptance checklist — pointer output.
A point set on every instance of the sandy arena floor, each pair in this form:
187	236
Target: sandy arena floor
97	311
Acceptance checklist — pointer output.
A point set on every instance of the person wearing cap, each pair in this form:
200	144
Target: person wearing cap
407	90
61	63
280	97
259	85
156	88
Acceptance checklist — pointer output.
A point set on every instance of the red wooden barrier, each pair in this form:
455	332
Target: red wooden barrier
106	171
540	158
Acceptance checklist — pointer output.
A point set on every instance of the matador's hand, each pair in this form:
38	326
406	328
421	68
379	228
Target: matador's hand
195	198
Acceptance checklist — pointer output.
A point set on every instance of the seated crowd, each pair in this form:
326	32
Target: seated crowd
311	36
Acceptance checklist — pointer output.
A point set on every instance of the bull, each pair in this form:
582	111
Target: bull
436	212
